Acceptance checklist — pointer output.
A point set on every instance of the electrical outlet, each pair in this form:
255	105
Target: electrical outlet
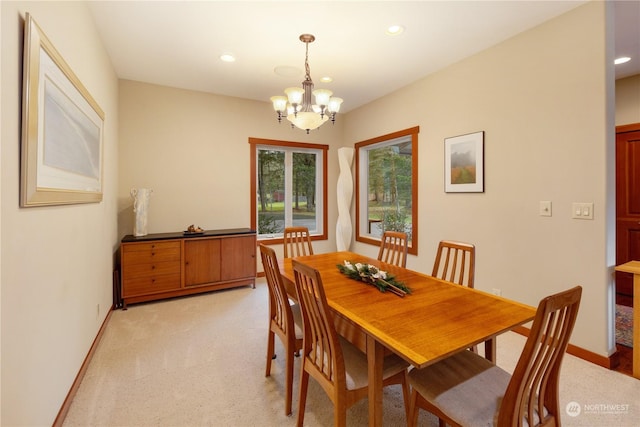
496	291
545	208
98	311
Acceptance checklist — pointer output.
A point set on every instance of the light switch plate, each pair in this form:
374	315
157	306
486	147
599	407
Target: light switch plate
581	210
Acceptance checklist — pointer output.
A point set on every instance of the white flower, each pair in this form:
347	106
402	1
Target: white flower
366	271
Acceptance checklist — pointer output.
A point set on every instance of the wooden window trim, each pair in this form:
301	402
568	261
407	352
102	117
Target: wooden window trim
413	249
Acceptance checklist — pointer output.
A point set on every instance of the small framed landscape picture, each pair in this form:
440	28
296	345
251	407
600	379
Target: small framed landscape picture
464	163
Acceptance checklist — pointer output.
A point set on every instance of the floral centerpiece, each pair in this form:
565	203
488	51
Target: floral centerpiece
372	275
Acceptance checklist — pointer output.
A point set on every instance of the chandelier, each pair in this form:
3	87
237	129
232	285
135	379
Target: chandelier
297	106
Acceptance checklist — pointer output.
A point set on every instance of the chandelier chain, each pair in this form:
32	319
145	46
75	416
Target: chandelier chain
306	63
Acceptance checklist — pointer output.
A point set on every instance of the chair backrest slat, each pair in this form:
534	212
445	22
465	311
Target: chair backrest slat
297	242
393	248
455	262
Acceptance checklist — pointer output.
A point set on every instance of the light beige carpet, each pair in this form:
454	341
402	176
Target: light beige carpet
200	360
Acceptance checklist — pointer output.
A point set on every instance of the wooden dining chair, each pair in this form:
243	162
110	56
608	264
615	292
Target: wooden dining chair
455	262
393	248
285	320
466	389
297	242
337	365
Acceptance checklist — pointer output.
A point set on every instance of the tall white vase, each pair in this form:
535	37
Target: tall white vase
141	198
344	229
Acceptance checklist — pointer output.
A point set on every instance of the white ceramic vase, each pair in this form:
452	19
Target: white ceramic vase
344	193
141	198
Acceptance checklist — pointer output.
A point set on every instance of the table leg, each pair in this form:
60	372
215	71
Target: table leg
636	326
375	360
490	350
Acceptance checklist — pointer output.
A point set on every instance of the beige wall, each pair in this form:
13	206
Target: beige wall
56	261
541	99
192	149
628	100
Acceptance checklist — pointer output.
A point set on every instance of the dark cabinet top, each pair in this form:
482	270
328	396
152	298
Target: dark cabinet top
129	238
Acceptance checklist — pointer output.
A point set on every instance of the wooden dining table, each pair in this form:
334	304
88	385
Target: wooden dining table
437	319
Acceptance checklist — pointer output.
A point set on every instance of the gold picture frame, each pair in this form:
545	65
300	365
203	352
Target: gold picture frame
62	129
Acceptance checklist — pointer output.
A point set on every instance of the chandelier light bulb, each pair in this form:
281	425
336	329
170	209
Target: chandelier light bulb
334	104
279	103
294	94
322	96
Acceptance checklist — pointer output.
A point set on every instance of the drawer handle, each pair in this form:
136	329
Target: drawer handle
153	254
153	267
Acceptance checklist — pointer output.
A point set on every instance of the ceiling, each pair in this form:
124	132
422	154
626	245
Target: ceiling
178	43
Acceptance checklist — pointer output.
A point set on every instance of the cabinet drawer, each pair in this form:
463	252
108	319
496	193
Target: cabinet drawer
143	253
131	271
150	284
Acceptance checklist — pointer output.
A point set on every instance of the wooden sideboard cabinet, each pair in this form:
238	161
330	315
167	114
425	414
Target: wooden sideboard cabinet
165	265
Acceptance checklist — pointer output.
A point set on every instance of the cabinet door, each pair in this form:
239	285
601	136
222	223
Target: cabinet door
201	261
238	257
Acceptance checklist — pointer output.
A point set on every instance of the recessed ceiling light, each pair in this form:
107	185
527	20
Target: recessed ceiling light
326	79
394	30
287	71
227	57
622	60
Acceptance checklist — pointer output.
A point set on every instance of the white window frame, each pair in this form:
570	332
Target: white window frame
319	231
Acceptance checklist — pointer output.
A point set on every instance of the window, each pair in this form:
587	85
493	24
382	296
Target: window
387	187
288	188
